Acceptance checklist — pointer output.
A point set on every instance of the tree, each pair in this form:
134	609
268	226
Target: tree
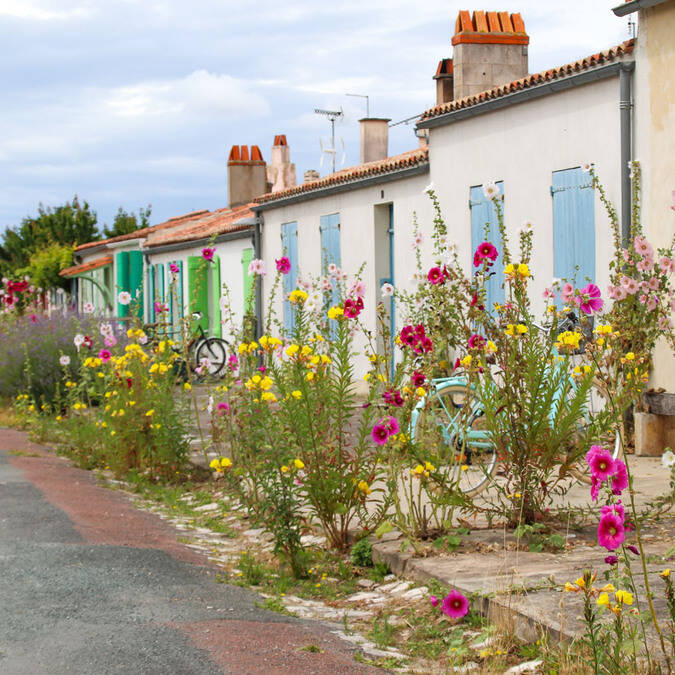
68	225
45	265
126	223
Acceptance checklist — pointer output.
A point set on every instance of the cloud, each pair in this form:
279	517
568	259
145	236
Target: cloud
33	11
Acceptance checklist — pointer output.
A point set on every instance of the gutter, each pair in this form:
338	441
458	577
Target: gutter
625	125
194	243
524	95
356	184
634	6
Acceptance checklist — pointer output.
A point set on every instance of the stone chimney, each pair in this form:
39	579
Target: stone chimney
280	171
444	81
310	176
246	175
374	139
490	49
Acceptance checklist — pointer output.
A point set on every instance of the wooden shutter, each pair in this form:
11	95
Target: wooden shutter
289	245
330	247
136	280
198	290
122	270
249	302
573	225
150	304
483	212
215	326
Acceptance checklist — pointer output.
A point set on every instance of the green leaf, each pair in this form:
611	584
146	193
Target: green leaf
385	527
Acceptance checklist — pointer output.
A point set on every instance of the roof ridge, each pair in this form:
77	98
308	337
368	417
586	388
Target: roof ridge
585	63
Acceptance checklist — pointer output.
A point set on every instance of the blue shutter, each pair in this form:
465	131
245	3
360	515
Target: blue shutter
483	212
573	225
330	247
289	245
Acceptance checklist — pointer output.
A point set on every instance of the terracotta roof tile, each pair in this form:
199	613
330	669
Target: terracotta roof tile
354	173
593	61
86	267
208	224
489	28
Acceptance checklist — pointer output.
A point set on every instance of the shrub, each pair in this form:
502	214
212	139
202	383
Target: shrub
362	553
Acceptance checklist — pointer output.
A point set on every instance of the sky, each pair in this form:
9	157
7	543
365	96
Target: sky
136	102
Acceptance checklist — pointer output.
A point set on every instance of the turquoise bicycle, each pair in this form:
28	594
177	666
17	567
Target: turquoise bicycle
450	421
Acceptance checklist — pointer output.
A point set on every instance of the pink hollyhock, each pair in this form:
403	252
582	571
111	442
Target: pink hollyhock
174	269
652	303
612	292
408	336
476	342
436	276
643	247
645	265
104	355
222	408
88	342
600	462
653	284
393	397
233	362
629	285
391	424
485	251
352	308
208	253
110	340
283	265
567	292
358	289
433	600
423	345
455	605
160	308
380	434
595	488
590	299
548	293
611	533
474	302
418	379
667	264
611	560
614	509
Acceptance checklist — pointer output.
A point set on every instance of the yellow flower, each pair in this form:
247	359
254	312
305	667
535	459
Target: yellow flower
568	339
630	356
666	573
268	396
264	341
266	383
154	368
284	469
187	386
150	412
624	597
420	391
306	350
466	361
243	348
419	469
325	359
429	466
523	270
608	588
603	329
490	347
296	394
299	464
516	329
364	487
58	418
112	433
131	403
366	377
252	346
335	312
297	296
510	270
214	464
580	582
310	376
570	588
603	599
225	462
292	350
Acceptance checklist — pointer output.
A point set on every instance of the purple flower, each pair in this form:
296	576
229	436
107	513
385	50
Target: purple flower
633	549
455	605
611	560
589	299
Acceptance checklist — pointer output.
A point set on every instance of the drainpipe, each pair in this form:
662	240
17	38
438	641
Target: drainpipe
625	105
257	252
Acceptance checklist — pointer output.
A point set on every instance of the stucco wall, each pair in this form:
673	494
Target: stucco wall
654	99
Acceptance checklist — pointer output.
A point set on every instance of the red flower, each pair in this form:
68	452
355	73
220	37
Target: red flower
418	379
476	341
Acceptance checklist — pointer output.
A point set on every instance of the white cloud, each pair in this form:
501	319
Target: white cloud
35	11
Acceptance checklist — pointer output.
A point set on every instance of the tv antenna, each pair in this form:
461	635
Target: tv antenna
332	115
367	102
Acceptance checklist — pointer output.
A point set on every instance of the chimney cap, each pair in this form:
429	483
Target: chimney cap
445	69
280	139
239	154
489	28
375	119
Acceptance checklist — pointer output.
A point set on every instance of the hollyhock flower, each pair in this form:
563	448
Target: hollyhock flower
391	424
595	488
633	549
88	342
222	408
283	265
668	459
548	293
652	303
233	362
490	190
455	605
418	239
332	269
33	318
567	292
379	434
387	290
476	342
257	267
611	560
418	379
600	462
174	269
586	167
358	289
78	341
589	301
486	251
352	308
629	285
643	247
667	264
64	360
621	293
625	254
474	302
393	397
208	253
612	292
124	297
433	600
408	336
620	477
643	299
88	308
160	308
105	329
104	355
110	340
436	276
326	284
653	284
645	265
611	533
614	509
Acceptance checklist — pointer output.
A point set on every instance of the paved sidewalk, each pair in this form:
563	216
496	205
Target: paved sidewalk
89	584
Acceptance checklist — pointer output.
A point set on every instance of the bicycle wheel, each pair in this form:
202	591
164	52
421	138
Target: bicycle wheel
451	427
597	403
214	350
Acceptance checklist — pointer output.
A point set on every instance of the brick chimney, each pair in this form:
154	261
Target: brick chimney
490	49
444	81
310	176
374	139
246	175
280	171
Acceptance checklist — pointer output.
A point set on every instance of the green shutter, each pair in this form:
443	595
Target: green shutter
122	265
151	293
136	280
198	289
216	328
249	302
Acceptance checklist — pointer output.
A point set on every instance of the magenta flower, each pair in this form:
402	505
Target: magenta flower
174	269
611	533
633	549
233	362
88	342
418	379
590	299
611	560
433	600
485	251
600	462
104	355
110	340
393	397
222	408
391	424
595	488
380	434
283	264
160	308
352	308
208	253
476	341
567	292
436	276
620	477
455	605
408	336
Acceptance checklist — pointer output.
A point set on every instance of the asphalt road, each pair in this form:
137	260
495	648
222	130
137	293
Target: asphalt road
90	585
